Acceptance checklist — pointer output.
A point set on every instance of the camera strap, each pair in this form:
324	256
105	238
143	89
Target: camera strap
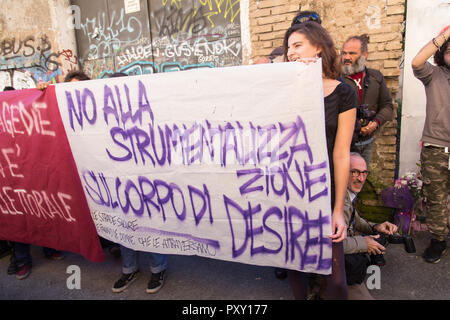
351	224
446	151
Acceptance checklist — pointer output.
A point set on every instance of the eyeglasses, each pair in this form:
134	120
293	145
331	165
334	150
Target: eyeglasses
308	17
355	173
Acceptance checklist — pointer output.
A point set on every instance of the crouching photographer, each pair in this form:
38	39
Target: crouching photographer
363	237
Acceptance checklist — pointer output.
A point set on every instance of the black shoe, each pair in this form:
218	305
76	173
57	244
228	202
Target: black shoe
55	255
115	251
435	251
5	249
12	268
280	273
156	282
125	281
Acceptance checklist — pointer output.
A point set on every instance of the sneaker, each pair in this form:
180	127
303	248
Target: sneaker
156	282
57	255
125	281
434	251
23	271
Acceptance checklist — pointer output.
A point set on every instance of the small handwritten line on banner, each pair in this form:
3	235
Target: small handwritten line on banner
214	243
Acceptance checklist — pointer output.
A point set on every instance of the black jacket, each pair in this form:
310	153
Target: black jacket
375	95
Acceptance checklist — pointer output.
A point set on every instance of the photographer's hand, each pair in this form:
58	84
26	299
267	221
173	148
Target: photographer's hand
386	227
374	247
369	129
43	85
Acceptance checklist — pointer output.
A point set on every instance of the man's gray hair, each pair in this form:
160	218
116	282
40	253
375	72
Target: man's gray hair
364	39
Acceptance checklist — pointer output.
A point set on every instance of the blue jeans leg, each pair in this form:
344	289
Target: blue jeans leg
22	252
158	262
366	152
129	260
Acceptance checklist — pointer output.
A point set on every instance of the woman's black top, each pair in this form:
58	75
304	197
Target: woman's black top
342	99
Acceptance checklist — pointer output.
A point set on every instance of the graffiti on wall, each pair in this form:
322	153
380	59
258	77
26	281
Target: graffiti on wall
17	78
107	35
174	17
203	32
163	36
208	48
373	17
24	62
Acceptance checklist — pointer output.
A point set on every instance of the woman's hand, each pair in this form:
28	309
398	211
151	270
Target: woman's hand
338	227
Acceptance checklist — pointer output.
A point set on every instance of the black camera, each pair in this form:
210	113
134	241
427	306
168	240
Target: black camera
364	114
407	241
384	240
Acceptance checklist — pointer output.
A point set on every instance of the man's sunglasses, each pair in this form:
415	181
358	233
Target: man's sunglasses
308	17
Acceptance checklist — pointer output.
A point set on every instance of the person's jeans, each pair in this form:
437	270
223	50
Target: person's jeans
158	262
23	255
22	252
365	150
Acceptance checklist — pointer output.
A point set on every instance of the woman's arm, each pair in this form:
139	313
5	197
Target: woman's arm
341	159
430	48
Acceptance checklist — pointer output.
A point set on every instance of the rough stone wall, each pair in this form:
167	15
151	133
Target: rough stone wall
380	19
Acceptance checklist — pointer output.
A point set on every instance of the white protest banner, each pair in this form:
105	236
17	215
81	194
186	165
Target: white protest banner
227	163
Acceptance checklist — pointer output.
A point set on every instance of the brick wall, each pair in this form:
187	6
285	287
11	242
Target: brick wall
380	19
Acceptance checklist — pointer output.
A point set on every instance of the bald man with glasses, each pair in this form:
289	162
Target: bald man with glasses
361	233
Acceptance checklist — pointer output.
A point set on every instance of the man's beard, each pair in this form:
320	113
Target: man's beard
356	67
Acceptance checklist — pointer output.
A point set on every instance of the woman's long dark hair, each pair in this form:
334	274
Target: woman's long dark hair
319	37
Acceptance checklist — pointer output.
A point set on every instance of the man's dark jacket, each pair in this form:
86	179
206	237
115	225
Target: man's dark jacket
375	95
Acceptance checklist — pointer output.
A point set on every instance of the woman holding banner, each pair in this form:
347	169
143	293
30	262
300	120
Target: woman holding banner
307	42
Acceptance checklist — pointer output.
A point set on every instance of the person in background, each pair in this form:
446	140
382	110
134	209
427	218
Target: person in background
21	261
275	56
305	42
435	154
6	247
130	257
74	76
375	102
361	234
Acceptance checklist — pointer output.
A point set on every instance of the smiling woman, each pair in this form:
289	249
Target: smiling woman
303	42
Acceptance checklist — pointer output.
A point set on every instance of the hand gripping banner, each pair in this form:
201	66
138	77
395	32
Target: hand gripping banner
227	163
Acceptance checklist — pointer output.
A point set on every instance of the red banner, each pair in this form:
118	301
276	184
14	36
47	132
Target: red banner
41	198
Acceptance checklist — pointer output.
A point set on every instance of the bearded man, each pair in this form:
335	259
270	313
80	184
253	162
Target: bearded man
376	106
